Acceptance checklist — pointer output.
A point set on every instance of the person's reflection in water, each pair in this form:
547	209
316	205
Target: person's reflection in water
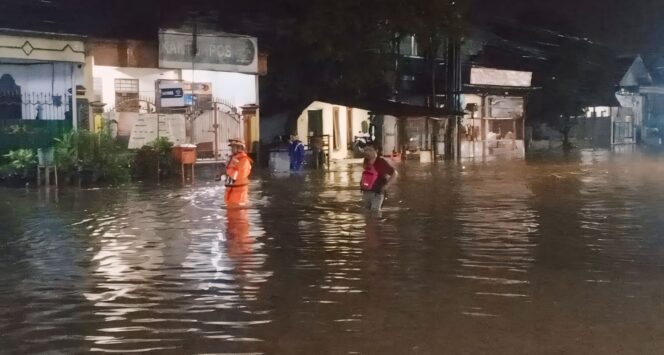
239	247
237	231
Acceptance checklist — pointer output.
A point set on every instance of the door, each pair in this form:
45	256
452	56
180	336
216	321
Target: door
315	124
389	135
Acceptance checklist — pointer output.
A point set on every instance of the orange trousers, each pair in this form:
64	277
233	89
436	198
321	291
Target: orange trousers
236	196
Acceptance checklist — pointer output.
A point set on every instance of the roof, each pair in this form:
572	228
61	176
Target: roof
622	66
634	72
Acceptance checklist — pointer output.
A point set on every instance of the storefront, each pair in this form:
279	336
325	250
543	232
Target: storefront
494	124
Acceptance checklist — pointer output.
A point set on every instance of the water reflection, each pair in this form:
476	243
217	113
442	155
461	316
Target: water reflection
496	241
559	254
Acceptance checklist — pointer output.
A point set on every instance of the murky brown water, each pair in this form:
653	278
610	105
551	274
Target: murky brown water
504	257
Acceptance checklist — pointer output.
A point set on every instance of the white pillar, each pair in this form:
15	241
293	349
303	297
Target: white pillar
74	113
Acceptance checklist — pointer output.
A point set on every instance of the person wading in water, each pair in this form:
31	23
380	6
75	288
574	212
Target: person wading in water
237	175
377	176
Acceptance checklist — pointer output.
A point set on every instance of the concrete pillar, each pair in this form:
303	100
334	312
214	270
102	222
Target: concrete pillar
88	82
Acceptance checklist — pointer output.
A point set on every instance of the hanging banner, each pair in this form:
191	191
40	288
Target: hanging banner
208	51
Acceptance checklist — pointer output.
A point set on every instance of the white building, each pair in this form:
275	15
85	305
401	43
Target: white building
125	78
337	125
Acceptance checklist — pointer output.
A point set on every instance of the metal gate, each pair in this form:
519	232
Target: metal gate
211	130
208	126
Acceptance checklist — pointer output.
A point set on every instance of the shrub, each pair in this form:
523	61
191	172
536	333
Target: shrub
21	160
100	153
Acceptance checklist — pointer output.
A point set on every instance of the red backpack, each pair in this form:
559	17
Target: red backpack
369	177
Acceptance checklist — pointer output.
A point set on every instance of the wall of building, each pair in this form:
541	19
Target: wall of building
31	46
124	53
358	115
104	81
237	88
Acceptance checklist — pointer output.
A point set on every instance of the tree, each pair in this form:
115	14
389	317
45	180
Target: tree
579	75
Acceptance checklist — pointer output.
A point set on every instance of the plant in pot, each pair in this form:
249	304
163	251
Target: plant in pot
20	162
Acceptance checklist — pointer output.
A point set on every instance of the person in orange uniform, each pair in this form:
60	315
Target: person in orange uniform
237	175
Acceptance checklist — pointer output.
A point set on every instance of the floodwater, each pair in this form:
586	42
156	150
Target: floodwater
547	256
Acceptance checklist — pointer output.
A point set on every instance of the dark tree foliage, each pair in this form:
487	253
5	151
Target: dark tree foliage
350	47
577	73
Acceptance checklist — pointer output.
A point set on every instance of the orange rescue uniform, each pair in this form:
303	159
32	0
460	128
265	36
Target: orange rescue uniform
237	179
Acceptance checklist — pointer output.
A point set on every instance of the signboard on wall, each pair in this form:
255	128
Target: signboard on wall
198	95
507	107
214	51
170	93
499	77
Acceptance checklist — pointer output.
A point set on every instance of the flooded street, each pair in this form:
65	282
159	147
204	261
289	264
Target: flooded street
545	256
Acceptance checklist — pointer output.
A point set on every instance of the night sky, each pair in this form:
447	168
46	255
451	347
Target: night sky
627	26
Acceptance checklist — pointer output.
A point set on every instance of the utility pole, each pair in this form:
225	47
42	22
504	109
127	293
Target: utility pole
453	89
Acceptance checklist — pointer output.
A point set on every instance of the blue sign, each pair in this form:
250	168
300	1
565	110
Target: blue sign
172	93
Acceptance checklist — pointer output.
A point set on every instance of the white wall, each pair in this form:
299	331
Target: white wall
238	88
342	152
146	80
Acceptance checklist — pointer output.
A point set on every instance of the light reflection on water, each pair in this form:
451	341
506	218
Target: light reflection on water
507	257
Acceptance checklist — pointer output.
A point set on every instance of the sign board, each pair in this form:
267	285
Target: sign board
198	88
170	93
145	129
216	51
499	77
509	107
198	95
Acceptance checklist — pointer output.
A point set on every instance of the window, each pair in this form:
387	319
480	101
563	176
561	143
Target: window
335	128
126	95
